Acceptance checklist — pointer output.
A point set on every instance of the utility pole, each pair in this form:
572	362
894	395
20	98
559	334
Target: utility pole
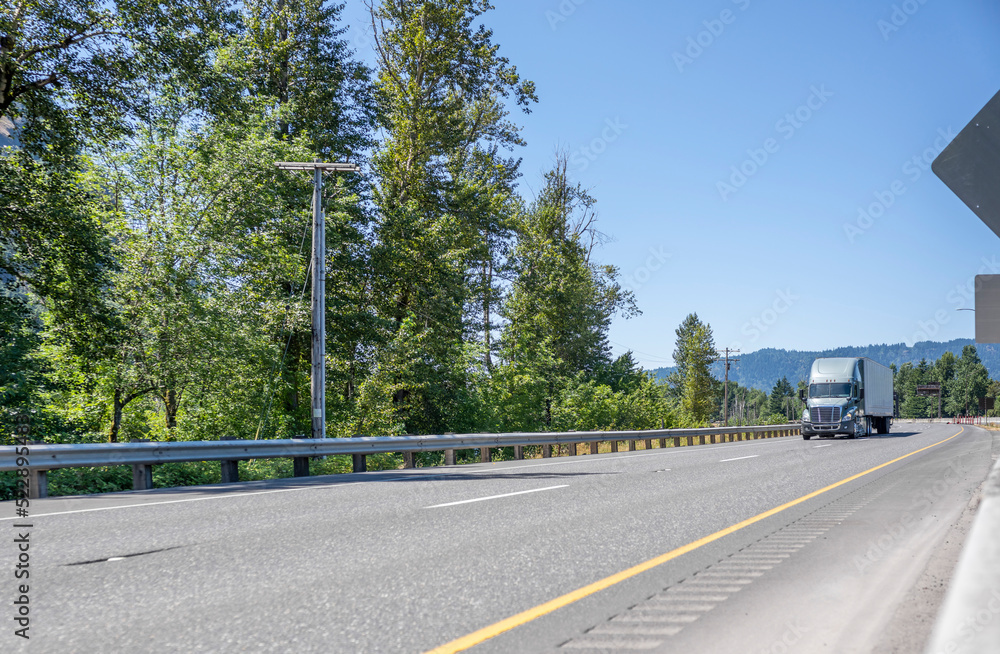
725	400
317	386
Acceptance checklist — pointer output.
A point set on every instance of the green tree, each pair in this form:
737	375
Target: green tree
440	82
292	57
781	401
943	373
694	353
289	67
971	383
561	303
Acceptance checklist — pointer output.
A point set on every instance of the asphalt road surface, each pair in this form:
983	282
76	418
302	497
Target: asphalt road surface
779	545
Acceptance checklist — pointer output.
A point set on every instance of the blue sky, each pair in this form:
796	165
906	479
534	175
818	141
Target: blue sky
732	146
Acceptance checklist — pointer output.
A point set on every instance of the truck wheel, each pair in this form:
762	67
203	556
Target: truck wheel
805	437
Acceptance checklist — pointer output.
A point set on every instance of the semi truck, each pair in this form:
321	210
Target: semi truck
847	395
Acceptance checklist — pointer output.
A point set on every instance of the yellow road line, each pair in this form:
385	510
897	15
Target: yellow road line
484	634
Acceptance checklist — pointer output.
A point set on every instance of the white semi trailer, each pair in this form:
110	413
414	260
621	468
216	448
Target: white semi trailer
849	395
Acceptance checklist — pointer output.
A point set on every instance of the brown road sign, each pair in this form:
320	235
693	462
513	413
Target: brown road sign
929	389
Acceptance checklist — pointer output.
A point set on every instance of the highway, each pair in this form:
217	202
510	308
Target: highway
762	546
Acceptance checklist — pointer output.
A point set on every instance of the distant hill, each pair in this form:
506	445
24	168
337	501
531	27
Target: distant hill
761	369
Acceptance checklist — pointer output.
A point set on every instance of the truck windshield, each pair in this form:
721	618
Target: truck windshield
830	390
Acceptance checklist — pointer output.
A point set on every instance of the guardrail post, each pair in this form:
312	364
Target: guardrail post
484	455
663	443
649	443
142	473
409	460
701	439
631	445
300	466
142	476
572	449
38	484
230	470
677	441
594	446
230	473
449	455
546	451
518	452
614	446
359	462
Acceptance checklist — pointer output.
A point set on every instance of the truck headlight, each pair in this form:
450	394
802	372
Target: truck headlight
849	416
805	415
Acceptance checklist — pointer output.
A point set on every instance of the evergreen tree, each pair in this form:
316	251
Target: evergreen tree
561	304
440	82
906	382
694	353
943	373
780	401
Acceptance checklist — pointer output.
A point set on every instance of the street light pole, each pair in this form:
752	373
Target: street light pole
317	386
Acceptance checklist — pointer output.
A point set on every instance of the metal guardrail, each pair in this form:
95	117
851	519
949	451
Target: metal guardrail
143	455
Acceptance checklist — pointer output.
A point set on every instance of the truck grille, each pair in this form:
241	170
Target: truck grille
825	414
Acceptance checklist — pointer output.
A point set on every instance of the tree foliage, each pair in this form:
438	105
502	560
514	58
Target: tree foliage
695	351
